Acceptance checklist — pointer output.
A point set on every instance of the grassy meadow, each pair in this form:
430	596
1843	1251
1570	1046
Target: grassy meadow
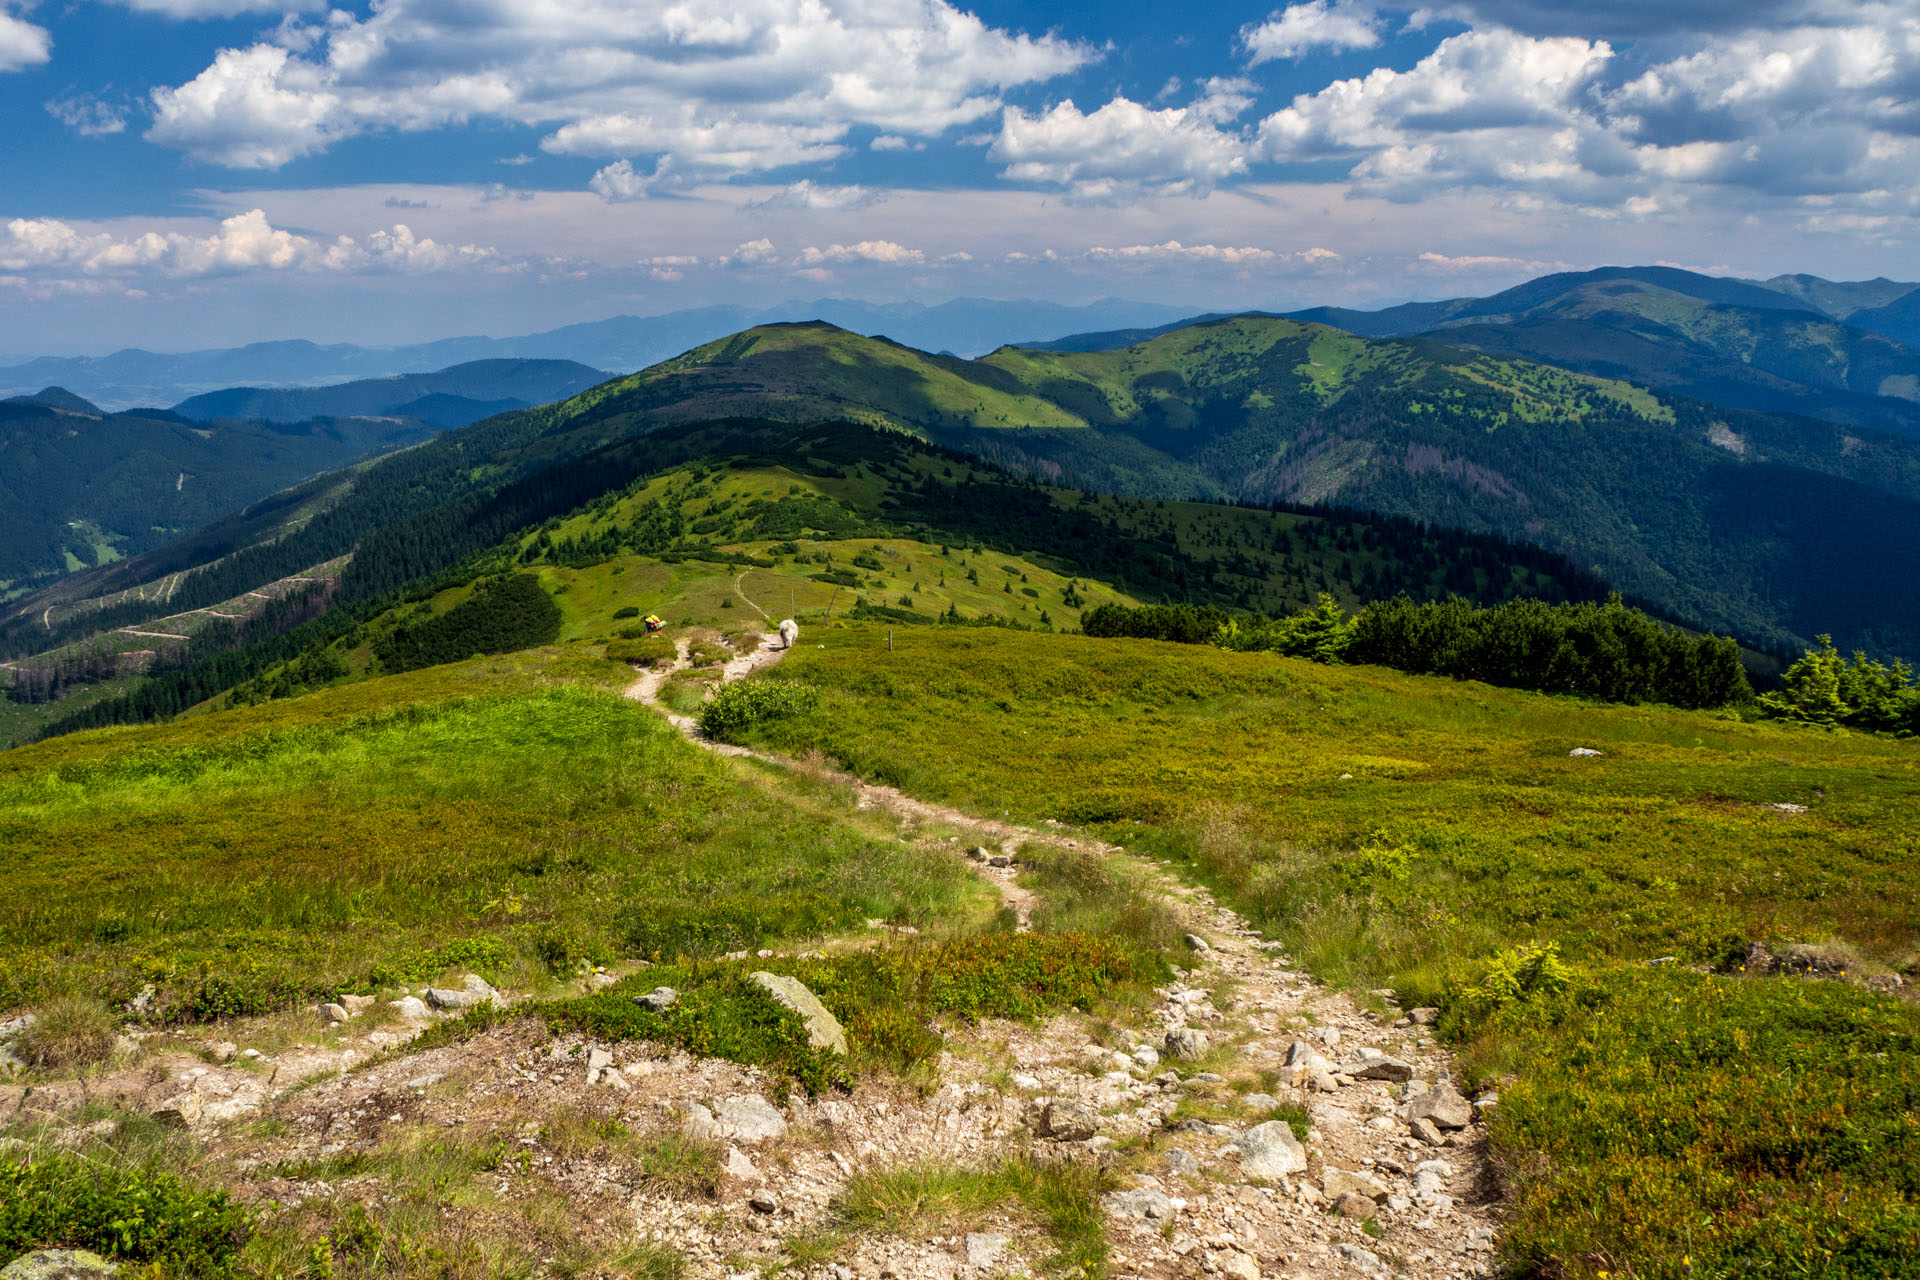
485	815
1582	922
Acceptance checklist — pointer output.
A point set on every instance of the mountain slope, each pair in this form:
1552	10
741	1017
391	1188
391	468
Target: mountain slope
80	487
451	397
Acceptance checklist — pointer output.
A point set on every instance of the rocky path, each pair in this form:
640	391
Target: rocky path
1392	1177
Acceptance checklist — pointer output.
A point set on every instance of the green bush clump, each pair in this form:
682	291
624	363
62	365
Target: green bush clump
504	614
648	651
71	1031
1823	689
885	999
625	611
1181	623
139	1214
1692	1125
739	706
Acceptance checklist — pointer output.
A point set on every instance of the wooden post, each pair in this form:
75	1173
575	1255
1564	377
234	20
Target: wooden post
889	639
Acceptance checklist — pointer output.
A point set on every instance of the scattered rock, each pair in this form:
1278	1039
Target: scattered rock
1427	1131
1197	943
1585	752
1485	1103
978	853
600	981
1338	1182
698	1125
763	1202
1141	1202
357	1004
1065	1120
142	1002
749	1118
1785	808
1351	1204
1187	1043
1441	1105
738	1167
1236	1265
224	1052
1330	1037
1381	1068
823	1029
412	1007
999	860
1262	1101
984	1249
334	1013
1181	1163
1425	1016
1271	1151
658	1000
1147	1056
1360	1258
59	1264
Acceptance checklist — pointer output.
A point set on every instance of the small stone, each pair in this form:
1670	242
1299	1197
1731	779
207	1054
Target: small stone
1186	1043
1197	943
984	1249
334	1013
1147	1056
224	1052
59	1264
1330	1037
1262	1101
1141	1202
763	1202
737	1166
1425	1016
823	1029
1271	1151
1068	1121
1351	1204
1427	1131
1584	753
357	1004
658	1000
1427	1184
1323	1082
1181	1162
1485	1103
999	860
749	1118
600	981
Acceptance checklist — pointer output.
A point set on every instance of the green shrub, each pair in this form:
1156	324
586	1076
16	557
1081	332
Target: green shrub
141	1215
739	706
648	651
72	1031
625	611
503	614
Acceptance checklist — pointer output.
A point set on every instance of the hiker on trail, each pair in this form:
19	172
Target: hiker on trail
655	625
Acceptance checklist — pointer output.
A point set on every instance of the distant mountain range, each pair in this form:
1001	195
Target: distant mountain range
448	398
1769	527
1793	344
133	377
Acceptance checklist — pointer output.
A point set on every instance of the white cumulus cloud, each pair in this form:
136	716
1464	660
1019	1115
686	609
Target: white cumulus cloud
881	252
244	242
22	44
807	194
1301	28
682	91
1125	148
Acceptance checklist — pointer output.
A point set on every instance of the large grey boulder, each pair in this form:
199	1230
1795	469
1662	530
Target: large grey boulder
1065	1120
1378	1068
1271	1151
475	991
823	1029
59	1264
1442	1107
749	1118
1185	1043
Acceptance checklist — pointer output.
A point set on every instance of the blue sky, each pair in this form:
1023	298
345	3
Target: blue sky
198	172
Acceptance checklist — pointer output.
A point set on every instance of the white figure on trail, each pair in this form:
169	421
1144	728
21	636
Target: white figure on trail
789	632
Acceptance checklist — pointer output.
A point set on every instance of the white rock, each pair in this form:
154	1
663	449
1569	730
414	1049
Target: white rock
984	1249
749	1118
1271	1151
